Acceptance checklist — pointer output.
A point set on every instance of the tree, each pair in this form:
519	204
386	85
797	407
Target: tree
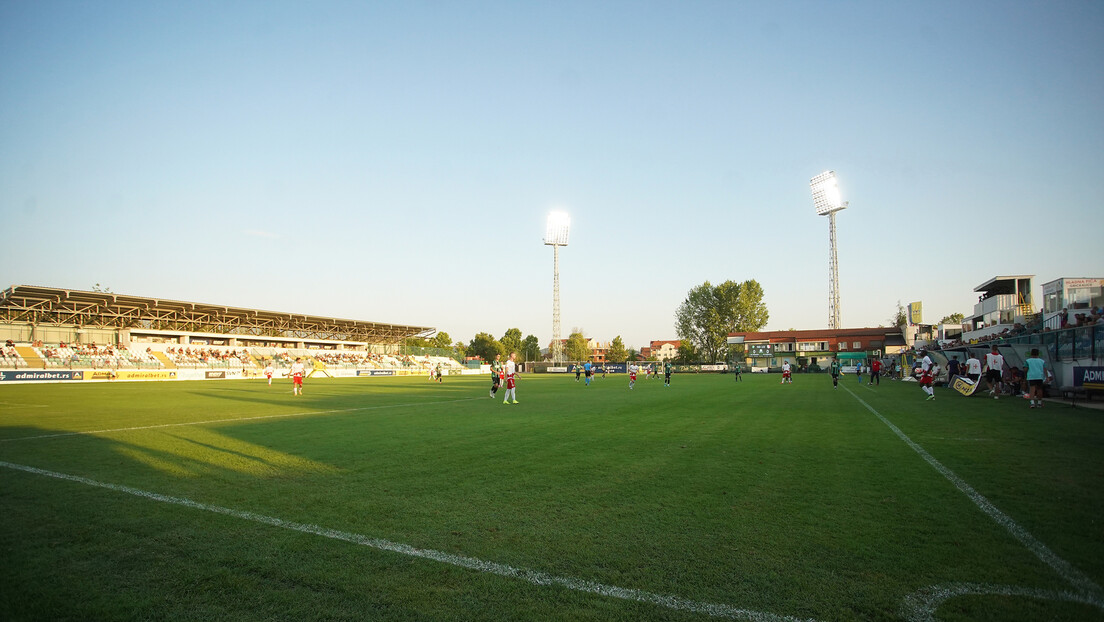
633	355
530	348
577	349
617	352
900	319
418	342
442	340
687	353
511	341
954	318
460	349
710	313
485	346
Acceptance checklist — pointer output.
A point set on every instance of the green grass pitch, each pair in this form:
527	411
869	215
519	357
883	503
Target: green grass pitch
401	499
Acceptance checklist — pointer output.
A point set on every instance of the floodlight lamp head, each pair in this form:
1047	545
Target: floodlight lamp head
826	194
559	226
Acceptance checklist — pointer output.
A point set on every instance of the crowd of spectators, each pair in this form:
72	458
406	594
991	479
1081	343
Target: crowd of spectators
207	357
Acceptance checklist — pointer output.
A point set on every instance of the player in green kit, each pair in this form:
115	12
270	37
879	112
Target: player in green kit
667	373
496	374
834	368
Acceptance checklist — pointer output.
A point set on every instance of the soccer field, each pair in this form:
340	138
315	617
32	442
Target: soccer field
401	499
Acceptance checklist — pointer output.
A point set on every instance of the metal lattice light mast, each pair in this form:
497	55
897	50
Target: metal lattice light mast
559	225
826	200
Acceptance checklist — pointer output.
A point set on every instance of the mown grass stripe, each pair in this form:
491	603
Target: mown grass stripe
1075	577
531	576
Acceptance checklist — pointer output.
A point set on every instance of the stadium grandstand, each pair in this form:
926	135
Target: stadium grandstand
49	328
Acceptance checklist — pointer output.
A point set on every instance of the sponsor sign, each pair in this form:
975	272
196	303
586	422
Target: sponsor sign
714	367
100	375
557	370
915	312
964	385
1079	283
41	375
375	372
141	374
214	374
1089	378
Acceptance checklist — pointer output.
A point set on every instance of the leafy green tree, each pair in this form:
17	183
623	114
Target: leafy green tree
511	341
485	346
633	355
687	353
617	352
576	348
418	342
460	349
954	318
530	348
442	340
900	319
709	314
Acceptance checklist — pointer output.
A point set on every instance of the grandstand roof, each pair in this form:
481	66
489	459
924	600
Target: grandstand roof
52	306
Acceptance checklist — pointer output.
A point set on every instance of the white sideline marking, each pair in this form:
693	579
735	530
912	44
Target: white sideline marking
534	577
186	423
1074	576
920	606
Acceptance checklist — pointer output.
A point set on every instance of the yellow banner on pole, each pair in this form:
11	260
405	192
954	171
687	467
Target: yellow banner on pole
915	313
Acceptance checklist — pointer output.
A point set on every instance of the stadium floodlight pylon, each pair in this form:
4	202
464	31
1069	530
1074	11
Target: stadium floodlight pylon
826	200
556	233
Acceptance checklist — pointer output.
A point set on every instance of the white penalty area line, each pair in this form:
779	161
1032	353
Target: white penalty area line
234	420
534	577
1092	592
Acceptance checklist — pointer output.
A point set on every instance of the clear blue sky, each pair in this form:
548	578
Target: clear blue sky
395	162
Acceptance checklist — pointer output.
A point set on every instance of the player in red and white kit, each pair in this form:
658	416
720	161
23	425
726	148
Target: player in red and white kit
786	373
927	374
297	372
511	380
268	371
633	368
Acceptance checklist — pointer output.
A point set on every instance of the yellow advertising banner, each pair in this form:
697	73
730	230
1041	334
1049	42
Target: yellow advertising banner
145	374
915	314
964	385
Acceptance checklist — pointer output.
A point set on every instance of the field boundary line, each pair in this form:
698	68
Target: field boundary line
534	577
921	606
236	419
1064	569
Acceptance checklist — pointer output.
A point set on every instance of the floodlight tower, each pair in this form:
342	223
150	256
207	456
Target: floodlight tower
826	199
559	225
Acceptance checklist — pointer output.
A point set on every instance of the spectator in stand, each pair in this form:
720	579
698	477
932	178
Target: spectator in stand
1063	318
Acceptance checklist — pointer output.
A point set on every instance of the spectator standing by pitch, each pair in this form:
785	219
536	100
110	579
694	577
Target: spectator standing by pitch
994	369
875	372
1036	375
